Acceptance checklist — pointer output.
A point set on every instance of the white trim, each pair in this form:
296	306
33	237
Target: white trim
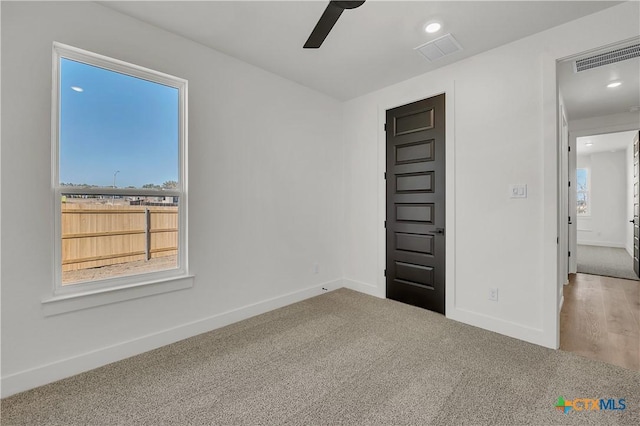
118	283
601	244
563	193
98	297
41	375
551	251
365	288
498	325
95	59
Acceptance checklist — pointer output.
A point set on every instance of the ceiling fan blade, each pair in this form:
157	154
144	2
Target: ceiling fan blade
328	20
324	25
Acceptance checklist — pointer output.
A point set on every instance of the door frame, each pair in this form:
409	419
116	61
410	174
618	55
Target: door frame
393	101
553	257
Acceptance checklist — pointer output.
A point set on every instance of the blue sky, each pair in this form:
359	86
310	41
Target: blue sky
117	122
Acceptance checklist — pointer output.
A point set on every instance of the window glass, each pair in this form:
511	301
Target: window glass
582	191
115	129
120	153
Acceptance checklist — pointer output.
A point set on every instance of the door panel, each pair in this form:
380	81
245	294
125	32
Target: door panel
415	203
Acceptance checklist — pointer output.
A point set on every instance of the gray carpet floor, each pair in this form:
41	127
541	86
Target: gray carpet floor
339	358
606	261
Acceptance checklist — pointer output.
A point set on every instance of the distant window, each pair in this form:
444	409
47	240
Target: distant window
583	192
119	148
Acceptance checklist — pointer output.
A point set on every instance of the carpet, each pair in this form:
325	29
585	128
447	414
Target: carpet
605	261
339	358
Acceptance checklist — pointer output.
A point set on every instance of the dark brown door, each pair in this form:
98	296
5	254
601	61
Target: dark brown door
415	203
636	203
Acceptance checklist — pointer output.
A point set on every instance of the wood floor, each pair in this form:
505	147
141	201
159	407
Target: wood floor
600	319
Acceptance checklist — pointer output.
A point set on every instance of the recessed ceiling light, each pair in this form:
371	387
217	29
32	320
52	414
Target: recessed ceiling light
433	27
77	89
614	84
588	143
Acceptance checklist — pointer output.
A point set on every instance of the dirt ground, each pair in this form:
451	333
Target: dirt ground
119	270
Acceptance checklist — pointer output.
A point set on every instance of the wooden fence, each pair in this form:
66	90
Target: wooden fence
96	235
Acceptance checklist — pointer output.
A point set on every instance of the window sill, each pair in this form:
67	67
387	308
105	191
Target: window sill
57	305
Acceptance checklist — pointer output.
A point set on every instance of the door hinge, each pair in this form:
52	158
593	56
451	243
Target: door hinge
385	175
569	219
385	127
385	272
569	148
569	183
385	224
557	240
569	254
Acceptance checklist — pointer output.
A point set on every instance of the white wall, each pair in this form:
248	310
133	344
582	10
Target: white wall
266	201
505	115
606	224
271	192
605	124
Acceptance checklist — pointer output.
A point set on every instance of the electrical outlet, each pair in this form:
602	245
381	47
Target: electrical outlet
493	294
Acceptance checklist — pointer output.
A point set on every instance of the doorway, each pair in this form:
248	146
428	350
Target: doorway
415	203
600	314
604	185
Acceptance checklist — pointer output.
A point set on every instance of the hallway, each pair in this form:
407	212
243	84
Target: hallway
606	261
600	319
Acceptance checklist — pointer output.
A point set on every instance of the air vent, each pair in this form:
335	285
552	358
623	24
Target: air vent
606	58
439	48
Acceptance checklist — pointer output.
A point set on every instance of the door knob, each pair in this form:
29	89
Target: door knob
440	231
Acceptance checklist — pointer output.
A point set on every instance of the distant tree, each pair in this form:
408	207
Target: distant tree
131	187
170	184
151	186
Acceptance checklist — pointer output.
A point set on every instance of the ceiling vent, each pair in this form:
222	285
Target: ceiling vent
606	58
439	48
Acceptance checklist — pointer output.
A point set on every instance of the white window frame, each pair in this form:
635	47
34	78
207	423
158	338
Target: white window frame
587	191
162	278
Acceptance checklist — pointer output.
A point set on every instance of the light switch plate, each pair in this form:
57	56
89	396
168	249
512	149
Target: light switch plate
518	191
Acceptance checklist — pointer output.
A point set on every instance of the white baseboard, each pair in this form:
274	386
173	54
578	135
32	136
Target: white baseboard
601	244
511	329
497	325
41	375
365	288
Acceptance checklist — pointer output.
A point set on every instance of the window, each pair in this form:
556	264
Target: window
119	178
582	192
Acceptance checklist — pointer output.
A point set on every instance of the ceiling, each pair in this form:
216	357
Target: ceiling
586	94
369	48
603	143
